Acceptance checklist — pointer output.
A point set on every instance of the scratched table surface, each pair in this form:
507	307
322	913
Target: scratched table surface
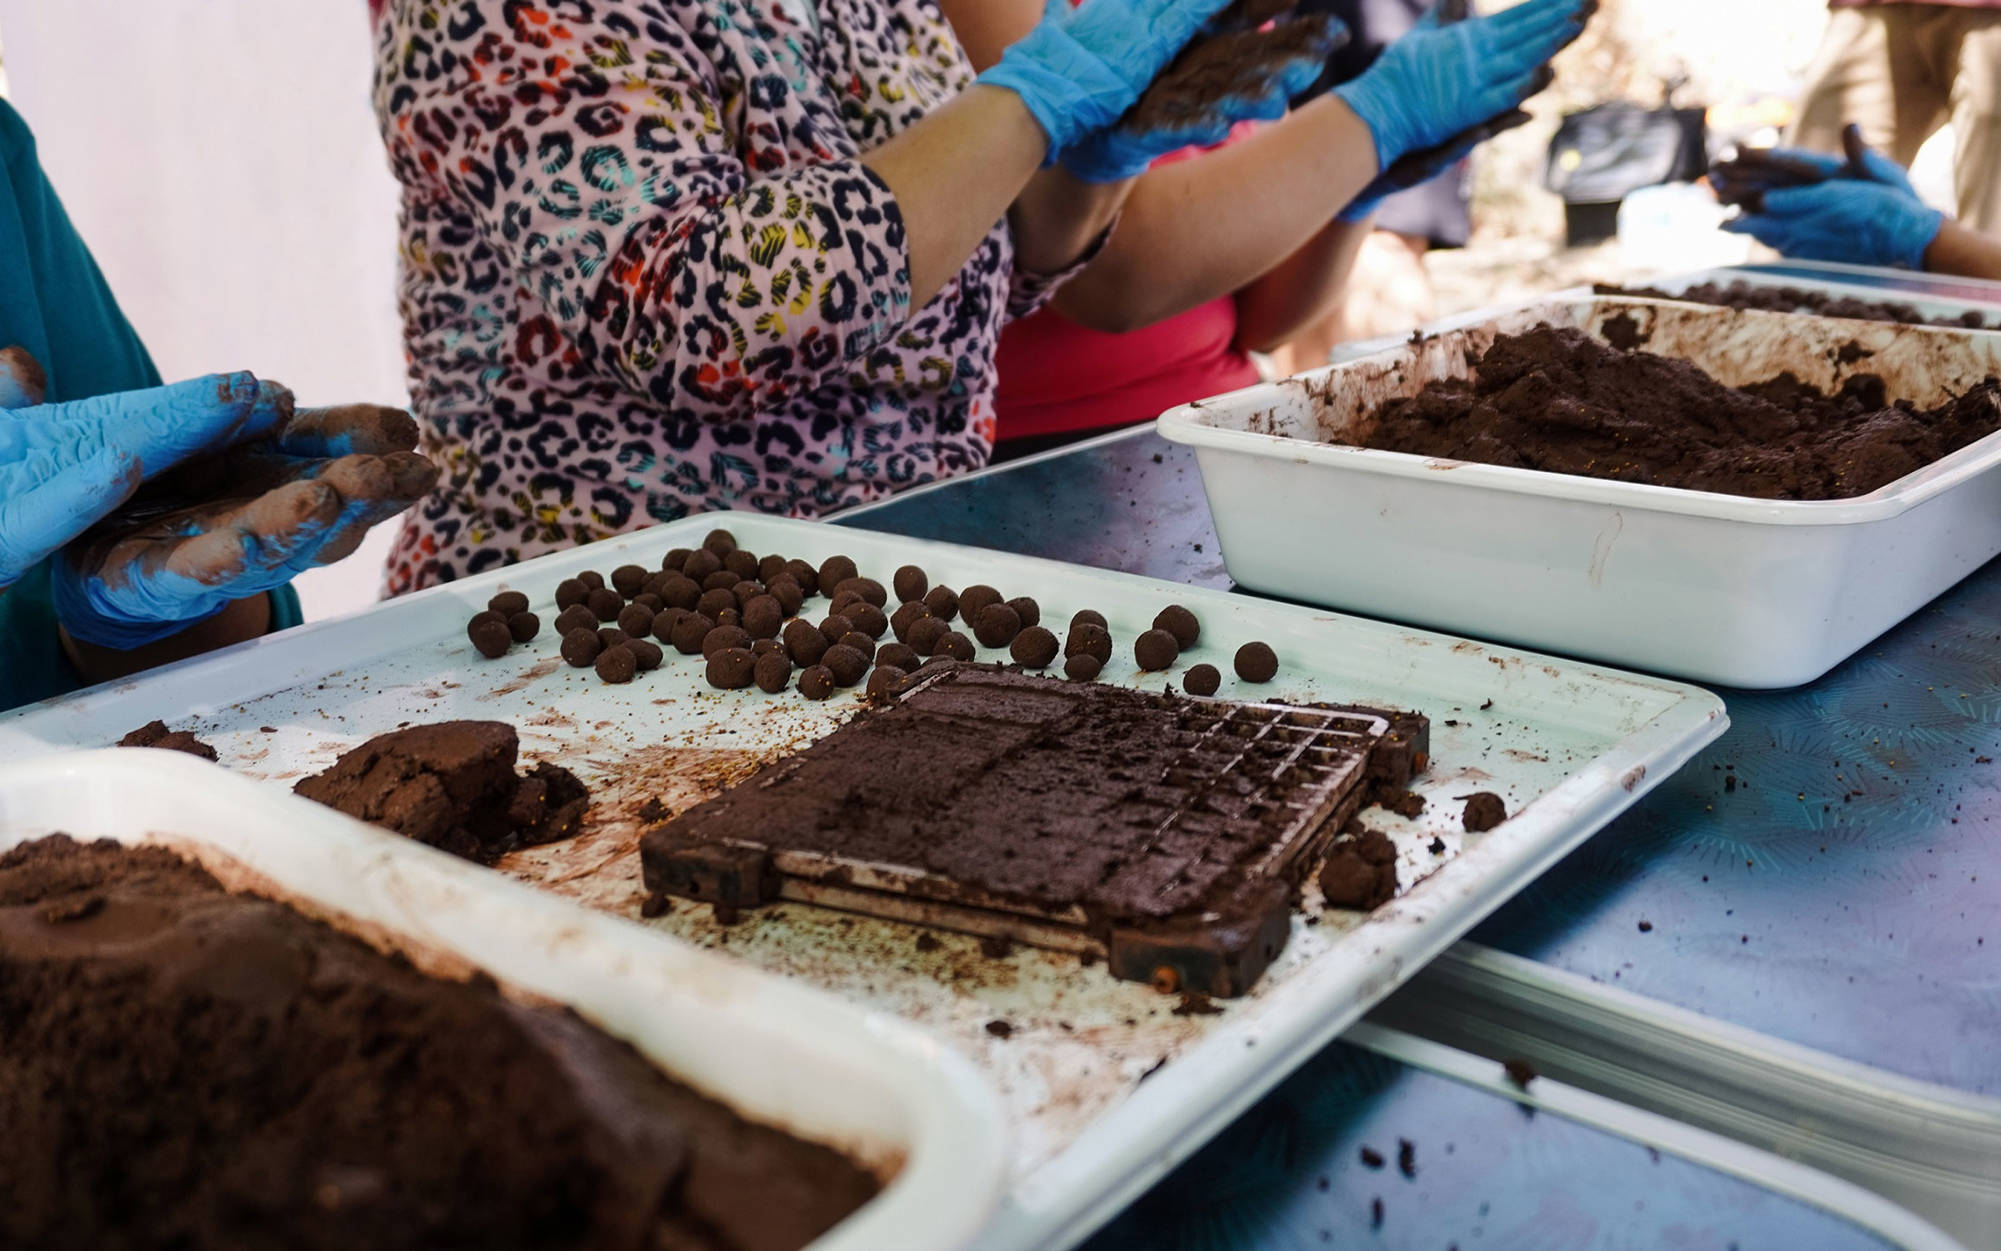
1813	875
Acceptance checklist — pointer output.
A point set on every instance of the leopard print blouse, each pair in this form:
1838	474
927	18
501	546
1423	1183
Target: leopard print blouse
644	273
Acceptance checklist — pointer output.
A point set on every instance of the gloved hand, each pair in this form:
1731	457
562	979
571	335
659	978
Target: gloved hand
1079	69
239	522
63	467
1222	80
1442	79
1414	169
1864	212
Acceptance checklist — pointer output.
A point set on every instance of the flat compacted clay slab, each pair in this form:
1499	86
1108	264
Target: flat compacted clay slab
185	1067
1166	833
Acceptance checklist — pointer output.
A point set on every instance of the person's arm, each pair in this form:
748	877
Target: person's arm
1965	252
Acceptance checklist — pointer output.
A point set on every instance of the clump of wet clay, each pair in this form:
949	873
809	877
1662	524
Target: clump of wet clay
239	1076
452	784
1202	680
1239	64
1256	662
1484	811
1741	294
156	734
1560	401
1361	871
997	626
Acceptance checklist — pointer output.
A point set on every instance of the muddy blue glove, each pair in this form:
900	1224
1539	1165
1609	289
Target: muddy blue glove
1414	169
1079	69
1238	76
1864	213
64	467
239	522
1441	79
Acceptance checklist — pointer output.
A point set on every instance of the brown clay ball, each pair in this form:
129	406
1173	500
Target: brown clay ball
764	647
974	600
834	626
720	580
906	616
729	617
883	682
591	578
846	664
785	589
576	617
1090	640
719	541
860	642
1090	616
610	636
925	633
580	647
741	563
617	664
865	588
606	603
731	668
1484	811
627	579
1181	623
833	571
1257	662
1156	650
714	604
489	635
943	602
689	632
664	622
805	575
675	558
997	625
770	568
1202	680
1027	609
898	656
762	617
570	591
910	583
1033	648
700	564
645	653
636	620
1081	667
868	619
955	645
651	599
680	592
746	591
722	638
524	626
507	603
772	672
816	682
805	642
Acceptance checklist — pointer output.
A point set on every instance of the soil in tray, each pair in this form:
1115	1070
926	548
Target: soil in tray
1561	401
1742	294
185	1067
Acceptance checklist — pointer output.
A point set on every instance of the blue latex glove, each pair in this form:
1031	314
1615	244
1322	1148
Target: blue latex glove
1079	69
1865	213
64	467
1260	90
1414	169
1441	79
239	522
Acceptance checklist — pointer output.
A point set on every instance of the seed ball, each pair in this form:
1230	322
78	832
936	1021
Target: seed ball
570	591
1033	648
1081	667
1202	680
606	603
898	656
689	632
1027	609
664	622
816	682
804	642
762	617
636	620
833	571
846	664
860	642
925	633
1090	640
786	591
581	647
679	591
1181	623
1484	810
772	672
866	588
910	583
524	626
769	568
955	645
882	683
906	616
805	575
483	616
722	638
741	563
507	603
489	636
575	617
720	580
645	653
731	668
729	617
974	600
675	558
943	602
651	600
611	636
997	626
868	619
653	583
845	602
1090	616
700	564
719	541
592	579
746	591
617	664
1257	662
835	626
627	579
1156	650
714	603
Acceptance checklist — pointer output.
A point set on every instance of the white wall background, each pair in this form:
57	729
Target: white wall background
221	159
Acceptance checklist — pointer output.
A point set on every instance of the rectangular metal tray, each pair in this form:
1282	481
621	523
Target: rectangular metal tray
1718	588
1105	1086
777	1052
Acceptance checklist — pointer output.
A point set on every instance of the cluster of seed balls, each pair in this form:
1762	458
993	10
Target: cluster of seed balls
741	612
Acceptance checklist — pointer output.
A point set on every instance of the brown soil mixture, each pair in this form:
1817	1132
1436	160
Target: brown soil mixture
1241	63
1561	401
156	734
183	1067
452	784
1742	294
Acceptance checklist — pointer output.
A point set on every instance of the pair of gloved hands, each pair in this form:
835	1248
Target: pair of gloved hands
162	506
1427	101
1856	209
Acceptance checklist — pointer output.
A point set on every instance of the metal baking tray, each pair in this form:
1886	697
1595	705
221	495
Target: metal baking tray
1105	1084
1717	588
778	1052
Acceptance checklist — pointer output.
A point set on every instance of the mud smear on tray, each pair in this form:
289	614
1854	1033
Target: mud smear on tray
1801	300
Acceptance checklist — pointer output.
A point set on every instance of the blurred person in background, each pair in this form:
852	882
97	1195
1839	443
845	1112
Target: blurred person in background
1903	70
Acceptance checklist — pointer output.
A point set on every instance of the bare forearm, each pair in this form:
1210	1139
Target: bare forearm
1200	229
1299	290
1968	253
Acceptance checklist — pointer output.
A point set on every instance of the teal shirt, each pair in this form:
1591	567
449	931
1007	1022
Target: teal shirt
55	303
